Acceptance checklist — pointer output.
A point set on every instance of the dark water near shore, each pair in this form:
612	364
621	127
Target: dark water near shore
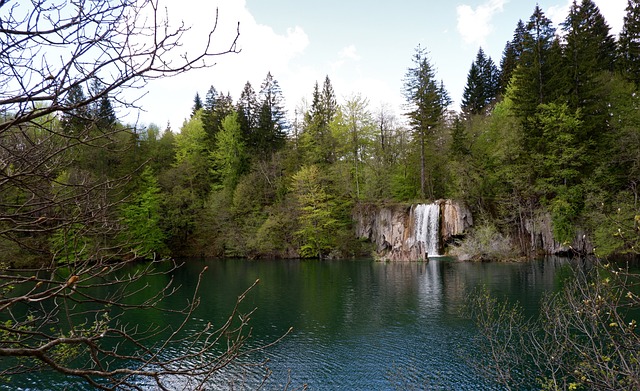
357	325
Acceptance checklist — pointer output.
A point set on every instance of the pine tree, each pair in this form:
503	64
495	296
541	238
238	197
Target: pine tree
629	43
589	49
106	116
209	121
328	101
425	101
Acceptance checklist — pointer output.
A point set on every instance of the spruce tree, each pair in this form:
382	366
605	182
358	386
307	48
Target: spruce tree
77	118
317	140
216	107
106	116
248	111
589	55
426	103
270	132
533	73
629	43
197	104
511	56
482	85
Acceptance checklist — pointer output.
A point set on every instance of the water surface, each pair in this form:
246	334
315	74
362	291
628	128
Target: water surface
357	325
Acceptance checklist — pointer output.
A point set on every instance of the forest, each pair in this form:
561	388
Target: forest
552	129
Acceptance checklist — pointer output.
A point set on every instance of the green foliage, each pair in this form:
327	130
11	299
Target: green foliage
71	244
229	156
565	208
317	223
141	218
585	337
427	101
482	85
629	43
190	143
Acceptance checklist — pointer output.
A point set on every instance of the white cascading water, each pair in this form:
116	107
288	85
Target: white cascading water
427	225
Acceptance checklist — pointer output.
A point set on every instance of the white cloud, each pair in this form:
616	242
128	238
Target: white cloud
474	25
262	50
350	52
558	13
347	53
612	10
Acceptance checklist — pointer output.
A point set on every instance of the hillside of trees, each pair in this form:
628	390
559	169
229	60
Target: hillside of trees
553	128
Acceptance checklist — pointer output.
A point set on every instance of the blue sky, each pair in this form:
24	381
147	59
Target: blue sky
364	47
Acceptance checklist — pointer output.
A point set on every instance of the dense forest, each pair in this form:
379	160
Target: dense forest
553	129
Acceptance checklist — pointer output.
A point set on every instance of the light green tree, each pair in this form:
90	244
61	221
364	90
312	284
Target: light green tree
229	156
318	226
141	217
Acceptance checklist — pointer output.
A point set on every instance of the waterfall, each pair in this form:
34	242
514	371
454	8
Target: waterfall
427	227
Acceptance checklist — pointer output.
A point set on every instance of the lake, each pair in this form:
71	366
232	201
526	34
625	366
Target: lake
357	325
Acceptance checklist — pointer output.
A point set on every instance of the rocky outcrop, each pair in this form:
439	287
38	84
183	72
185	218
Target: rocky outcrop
540	235
456	219
392	228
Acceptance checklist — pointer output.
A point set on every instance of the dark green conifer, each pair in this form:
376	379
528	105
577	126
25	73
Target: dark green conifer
425	102
532	75
270	133
197	104
629	43
248	111
482	85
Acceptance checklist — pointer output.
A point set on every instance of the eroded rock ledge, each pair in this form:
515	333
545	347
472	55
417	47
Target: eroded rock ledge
392	228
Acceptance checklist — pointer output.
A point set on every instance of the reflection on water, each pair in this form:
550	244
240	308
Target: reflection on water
356	324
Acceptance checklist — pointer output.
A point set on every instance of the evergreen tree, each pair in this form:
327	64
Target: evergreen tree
629	43
426	102
589	49
482	85
210	121
216	107
197	104
329	103
106	115
248	110
511	56
589	55
533	74
270	132
317	141
77	118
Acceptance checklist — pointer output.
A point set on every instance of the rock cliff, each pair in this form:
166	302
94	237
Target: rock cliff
540	235
394	228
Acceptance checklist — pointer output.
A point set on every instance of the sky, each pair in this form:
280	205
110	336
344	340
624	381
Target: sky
364	46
